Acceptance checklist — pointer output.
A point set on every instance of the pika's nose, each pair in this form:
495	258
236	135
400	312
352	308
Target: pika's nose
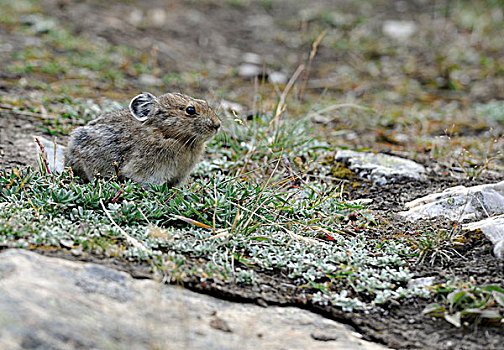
216	124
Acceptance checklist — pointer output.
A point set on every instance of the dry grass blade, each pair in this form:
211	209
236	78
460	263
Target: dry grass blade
16	172
313	52
281	103
271	223
135	243
261	194
40	116
54	153
218	234
343	105
236	219
191	221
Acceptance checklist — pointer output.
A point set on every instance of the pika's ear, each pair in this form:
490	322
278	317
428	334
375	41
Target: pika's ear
141	106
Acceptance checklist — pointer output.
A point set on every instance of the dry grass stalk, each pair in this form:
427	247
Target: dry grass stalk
313	52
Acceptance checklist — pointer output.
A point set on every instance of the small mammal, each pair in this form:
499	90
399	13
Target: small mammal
157	140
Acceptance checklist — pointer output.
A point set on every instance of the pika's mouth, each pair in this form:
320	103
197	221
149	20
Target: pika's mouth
215	127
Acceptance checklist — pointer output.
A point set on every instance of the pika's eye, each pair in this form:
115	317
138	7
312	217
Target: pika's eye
190	110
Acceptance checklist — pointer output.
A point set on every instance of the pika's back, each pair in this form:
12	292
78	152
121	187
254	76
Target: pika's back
156	140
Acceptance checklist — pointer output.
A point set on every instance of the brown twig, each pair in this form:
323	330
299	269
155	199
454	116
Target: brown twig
118	194
41	116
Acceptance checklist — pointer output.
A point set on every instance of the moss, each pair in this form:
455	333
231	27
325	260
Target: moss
340	171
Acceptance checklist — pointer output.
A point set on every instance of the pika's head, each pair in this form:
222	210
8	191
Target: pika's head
176	116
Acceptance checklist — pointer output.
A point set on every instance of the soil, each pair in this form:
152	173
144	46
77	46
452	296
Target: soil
242	27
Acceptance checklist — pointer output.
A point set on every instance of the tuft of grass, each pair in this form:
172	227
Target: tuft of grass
435	245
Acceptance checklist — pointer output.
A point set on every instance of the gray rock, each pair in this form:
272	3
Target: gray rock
381	168
51	303
459	203
482	204
493	229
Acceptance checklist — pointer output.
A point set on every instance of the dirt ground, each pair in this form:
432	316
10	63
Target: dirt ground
213	38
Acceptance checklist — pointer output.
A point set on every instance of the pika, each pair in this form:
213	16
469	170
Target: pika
155	140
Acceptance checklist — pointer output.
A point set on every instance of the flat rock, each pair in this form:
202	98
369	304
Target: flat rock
482	204
459	203
381	168
52	303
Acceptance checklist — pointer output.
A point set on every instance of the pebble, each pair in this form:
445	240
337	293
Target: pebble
248	70
399	30
277	78
150	80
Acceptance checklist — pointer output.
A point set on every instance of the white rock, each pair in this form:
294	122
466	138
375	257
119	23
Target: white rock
277	78
249	70
39	23
421	282
157	17
381	168
360	201
493	229
400	30
459	203
483	204
135	17
150	80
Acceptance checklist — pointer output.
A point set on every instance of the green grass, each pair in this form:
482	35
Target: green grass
257	227
237	218
465	303
435	245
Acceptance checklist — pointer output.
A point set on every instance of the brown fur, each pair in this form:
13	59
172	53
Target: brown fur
163	148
